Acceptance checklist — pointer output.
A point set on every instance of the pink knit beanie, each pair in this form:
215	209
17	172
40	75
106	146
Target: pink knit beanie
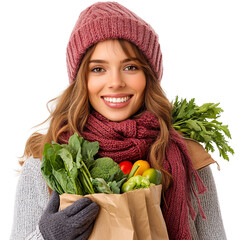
110	20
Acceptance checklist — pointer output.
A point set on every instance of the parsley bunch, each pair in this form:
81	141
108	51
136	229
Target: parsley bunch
200	123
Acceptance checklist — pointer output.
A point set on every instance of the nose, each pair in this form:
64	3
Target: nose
116	80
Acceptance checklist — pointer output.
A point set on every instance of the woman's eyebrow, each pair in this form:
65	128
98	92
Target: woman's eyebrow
129	60
104	61
98	61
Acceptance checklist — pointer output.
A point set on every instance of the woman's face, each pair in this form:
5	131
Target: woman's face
115	83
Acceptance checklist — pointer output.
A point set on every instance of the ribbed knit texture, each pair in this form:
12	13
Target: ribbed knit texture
130	140
177	198
35	235
110	20
29	202
211	228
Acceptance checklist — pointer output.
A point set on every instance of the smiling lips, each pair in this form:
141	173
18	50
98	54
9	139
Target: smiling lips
116	101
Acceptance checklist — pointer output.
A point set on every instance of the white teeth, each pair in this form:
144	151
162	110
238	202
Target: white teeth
116	100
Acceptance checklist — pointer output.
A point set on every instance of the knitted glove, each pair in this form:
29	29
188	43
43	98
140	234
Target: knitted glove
74	222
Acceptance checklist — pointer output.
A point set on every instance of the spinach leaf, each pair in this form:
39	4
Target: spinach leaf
66	168
70	171
59	169
75	142
49	155
89	150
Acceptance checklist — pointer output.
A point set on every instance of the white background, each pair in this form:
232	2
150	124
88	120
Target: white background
201	50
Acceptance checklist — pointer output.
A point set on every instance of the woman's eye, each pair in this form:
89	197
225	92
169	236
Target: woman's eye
97	69
131	68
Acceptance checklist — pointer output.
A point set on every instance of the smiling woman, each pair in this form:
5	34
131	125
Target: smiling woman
114	63
116	82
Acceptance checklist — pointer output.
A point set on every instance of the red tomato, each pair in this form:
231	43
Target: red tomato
126	166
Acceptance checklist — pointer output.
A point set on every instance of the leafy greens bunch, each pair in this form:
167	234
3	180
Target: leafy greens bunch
200	123
67	168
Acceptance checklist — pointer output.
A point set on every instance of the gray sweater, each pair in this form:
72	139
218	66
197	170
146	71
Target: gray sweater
32	197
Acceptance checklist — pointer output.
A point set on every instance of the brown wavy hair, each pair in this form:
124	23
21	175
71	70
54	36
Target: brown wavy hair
72	109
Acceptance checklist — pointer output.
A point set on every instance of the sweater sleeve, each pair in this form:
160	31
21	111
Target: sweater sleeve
211	228
30	201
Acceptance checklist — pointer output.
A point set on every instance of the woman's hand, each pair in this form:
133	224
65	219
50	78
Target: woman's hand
74	222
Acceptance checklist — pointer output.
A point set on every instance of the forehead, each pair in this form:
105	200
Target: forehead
111	47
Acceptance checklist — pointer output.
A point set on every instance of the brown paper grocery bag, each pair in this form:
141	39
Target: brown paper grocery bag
134	215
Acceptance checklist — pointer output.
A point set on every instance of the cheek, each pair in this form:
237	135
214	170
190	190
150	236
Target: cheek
93	86
140	84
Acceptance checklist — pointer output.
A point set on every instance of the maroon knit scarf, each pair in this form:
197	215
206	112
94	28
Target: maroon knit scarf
130	140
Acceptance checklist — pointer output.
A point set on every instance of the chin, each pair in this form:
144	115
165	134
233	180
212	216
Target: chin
116	117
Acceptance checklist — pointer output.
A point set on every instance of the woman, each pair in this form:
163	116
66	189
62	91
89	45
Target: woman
115	65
